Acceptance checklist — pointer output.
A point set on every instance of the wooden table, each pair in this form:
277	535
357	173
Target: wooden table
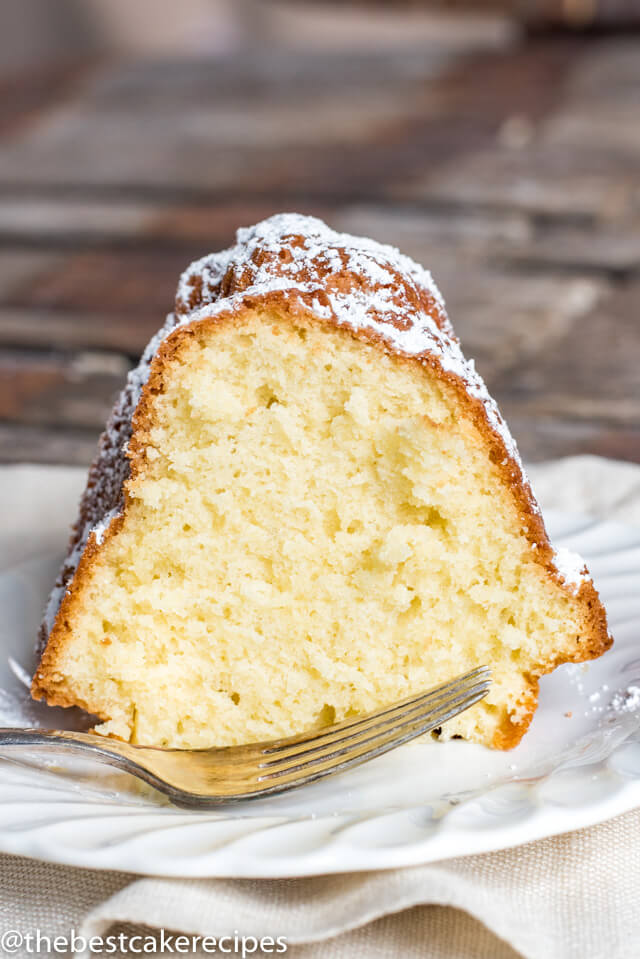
513	172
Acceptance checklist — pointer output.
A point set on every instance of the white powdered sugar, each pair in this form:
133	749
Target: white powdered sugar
571	567
101	528
627	701
377	262
57	593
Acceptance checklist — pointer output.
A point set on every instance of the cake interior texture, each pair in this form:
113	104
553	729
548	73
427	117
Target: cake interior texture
316	530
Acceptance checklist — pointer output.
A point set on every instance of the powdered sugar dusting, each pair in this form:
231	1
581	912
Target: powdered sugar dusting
68	569
627	701
101	528
571	567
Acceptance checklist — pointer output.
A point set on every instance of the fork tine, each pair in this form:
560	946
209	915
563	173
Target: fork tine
281	782
372	745
378	722
287	748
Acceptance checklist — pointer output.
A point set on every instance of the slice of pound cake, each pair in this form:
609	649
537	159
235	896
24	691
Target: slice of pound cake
306	505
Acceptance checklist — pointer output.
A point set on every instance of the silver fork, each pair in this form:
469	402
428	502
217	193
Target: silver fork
199	778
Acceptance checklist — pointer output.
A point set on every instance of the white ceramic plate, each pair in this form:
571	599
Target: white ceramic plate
579	765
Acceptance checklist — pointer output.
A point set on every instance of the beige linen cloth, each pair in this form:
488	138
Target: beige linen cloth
575	896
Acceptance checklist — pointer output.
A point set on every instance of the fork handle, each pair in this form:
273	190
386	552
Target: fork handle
201	785
62	737
112	752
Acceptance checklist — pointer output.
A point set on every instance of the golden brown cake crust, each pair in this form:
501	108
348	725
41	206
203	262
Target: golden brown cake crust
297	268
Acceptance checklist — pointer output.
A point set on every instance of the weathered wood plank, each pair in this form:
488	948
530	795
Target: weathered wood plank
33	444
38	220
550	182
132	281
48	390
209	128
549	437
25	99
580	158
20	269
80	223
25	328
608	248
589	373
393	118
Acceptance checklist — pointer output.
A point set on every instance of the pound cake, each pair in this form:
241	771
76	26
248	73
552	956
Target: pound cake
305	506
